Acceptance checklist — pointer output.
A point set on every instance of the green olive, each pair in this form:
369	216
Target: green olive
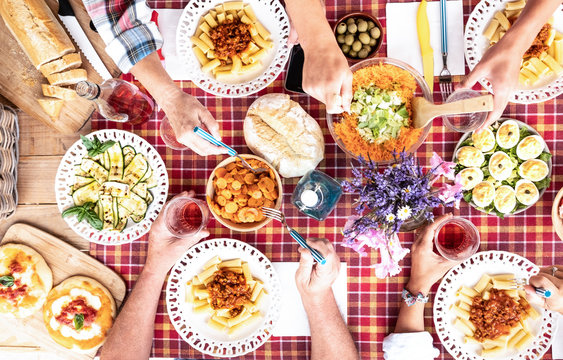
367	48
362	54
341	39
362	26
353	28
353	54
345	48
364	38
371	25
349	39
341	28
372	42
350	21
375	33
357	45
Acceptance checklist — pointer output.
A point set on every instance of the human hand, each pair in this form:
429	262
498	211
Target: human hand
185	113
314	280
553	283
427	267
165	248
326	74
501	66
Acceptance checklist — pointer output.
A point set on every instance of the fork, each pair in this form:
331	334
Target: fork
518	283
445	78
232	152
279	216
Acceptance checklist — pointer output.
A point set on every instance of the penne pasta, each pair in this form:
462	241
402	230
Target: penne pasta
502	20
207	40
214	261
464	314
491	29
200	44
467	291
233	5
515	338
515	5
496	351
462	326
524	341
502	284
250	13
210	19
466	299
482	283
231	264
261	42
247	273
265	34
247	322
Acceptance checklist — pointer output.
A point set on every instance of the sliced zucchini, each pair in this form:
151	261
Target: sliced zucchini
135	204
88	193
128	154
79	172
137	218
115	189
97	171
116	166
136	170
141	189
106	210
148	174
149	197
80	181
124	214
152	181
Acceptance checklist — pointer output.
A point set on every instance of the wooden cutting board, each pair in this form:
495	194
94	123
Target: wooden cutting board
21	83
65	261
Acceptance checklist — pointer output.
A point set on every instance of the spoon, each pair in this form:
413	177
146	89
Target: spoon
424	111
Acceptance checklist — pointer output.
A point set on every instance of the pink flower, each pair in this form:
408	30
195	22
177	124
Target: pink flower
442	167
387	267
449	193
373	238
395	249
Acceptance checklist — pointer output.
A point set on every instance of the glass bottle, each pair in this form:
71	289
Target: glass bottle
316	195
118	100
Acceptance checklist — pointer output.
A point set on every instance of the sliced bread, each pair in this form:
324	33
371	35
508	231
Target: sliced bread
58	92
52	107
69	77
67	62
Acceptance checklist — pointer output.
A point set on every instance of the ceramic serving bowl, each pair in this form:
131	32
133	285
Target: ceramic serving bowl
244	227
367	17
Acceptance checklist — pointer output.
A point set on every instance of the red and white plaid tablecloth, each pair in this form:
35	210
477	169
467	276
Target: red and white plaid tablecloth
372	303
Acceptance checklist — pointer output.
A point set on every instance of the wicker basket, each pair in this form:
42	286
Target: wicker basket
9	135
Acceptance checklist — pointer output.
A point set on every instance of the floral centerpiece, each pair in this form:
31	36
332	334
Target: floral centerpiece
386	200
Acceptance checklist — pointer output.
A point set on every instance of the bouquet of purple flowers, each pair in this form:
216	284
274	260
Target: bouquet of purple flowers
386	200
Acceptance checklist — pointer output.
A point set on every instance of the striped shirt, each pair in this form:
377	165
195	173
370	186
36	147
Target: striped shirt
126	28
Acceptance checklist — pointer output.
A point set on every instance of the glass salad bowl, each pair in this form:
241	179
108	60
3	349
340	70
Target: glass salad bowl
422	89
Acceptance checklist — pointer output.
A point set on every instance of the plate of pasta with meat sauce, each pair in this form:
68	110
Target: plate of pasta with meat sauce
224	297
541	72
233	48
478	314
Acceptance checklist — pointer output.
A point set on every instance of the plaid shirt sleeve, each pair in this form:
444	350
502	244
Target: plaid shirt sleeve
126	28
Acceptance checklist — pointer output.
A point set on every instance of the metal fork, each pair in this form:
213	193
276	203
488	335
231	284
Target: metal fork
518	283
279	216
232	152
445	78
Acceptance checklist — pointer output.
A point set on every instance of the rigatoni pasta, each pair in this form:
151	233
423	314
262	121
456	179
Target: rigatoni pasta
494	314
230	41
227	292
543	59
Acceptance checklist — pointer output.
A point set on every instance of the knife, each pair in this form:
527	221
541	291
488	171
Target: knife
66	14
423	29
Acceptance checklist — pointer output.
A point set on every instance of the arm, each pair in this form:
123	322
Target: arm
132	333
132	40
326	74
501	63
314	284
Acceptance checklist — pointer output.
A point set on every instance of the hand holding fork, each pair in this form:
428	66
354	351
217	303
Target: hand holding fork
549	281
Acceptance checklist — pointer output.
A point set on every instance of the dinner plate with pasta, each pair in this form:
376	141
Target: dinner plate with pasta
233	48
223	297
541	71
478	314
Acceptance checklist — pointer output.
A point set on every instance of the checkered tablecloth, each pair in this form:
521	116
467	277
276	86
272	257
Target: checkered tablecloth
372	303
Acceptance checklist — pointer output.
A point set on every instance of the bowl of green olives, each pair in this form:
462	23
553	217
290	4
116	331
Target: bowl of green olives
359	36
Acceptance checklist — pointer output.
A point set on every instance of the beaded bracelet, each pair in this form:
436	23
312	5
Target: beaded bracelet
411	299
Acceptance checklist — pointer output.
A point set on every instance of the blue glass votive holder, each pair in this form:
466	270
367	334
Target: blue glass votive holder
316	195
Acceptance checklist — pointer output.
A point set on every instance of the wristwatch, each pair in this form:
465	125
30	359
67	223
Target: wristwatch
411	299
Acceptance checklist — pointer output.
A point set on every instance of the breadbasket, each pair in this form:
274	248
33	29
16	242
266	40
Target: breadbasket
9	135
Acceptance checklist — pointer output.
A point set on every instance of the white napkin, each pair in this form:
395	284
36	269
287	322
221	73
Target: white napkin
167	23
293	319
557	349
402	37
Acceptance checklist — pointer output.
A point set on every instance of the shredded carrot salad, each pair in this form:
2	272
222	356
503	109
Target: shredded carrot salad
385	77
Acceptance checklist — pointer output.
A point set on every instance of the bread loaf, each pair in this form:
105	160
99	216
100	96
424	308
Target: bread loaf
67	62
58	92
279	130
37	30
68	77
52	107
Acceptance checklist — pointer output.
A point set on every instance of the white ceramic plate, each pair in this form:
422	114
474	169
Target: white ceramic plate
468	273
521	125
270	13
476	45
193	327
65	179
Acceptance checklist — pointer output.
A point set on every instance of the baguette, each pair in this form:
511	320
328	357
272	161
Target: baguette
58	92
67	62
52	107
36	29
68	77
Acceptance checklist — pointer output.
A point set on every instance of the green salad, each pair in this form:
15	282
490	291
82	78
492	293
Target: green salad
381	114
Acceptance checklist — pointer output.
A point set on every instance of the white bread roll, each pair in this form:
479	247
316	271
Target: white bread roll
36	29
279	130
